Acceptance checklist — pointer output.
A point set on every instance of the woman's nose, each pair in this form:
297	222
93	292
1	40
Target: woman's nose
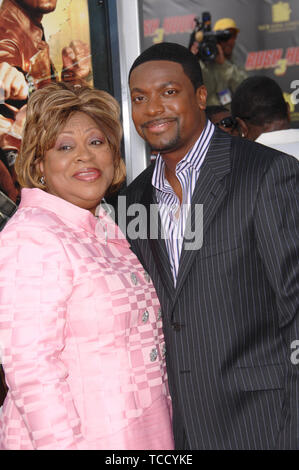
84	153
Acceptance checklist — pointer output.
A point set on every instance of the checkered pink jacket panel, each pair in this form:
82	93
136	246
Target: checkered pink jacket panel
80	334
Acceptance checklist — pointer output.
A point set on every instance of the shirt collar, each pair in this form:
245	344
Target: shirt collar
194	158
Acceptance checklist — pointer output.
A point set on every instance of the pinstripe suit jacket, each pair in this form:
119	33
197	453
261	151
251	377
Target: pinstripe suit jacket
233	319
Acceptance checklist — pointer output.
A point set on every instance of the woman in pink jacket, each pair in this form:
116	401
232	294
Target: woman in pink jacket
80	323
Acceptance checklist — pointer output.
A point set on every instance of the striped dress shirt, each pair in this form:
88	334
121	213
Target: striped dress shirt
173	216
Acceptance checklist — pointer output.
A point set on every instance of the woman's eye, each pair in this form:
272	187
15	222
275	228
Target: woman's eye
64	147
96	141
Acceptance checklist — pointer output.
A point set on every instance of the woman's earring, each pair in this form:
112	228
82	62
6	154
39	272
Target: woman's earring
42	180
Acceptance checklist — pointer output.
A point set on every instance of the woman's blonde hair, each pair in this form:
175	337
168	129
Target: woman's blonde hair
47	113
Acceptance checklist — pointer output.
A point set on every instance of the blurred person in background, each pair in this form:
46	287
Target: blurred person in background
263	115
221	117
222	76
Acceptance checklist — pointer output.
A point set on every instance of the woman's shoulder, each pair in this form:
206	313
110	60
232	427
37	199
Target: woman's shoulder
32	223
35	217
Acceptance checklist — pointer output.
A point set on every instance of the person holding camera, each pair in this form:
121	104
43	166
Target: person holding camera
220	75
262	115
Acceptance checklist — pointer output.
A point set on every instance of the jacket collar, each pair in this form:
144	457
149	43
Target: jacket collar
102	226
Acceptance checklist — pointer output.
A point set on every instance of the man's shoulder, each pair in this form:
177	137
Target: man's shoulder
255	157
138	185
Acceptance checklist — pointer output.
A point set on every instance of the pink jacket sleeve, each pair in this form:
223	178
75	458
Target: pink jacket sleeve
35	283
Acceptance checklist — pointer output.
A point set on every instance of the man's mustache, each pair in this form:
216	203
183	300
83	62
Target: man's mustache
157	122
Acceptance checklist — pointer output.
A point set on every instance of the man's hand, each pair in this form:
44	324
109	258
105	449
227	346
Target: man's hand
220	58
11	129
194	48
12	83
76	60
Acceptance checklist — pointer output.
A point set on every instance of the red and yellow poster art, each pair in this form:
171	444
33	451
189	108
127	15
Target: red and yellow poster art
40	41
67	33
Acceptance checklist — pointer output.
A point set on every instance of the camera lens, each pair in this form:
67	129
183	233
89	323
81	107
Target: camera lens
208	51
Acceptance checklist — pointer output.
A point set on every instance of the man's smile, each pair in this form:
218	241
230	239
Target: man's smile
158	125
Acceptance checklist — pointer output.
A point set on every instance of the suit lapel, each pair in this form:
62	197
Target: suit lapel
210	192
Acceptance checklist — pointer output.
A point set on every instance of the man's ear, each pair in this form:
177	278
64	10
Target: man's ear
201	97
242	127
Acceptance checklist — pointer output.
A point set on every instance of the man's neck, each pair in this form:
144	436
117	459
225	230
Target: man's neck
34	16
278	125
172	179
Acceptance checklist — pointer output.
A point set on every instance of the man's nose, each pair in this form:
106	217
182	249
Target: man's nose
155	105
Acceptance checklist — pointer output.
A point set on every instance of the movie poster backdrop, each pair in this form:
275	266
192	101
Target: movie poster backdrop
67	57
268	42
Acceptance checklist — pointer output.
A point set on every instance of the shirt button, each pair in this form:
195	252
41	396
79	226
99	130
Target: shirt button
134	279
153	355
147	276
159	314
145	316
164	350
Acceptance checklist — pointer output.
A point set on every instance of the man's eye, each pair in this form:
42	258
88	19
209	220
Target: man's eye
138	99
170	92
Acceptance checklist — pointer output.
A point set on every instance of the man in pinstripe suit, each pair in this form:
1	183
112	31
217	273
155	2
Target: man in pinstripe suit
230	307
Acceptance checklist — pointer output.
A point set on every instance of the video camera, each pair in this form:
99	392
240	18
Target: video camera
207	38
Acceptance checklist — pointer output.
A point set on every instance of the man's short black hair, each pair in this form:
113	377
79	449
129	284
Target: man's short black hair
260	100
174	53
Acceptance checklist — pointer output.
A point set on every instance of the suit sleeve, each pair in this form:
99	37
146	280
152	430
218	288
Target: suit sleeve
35	284
277	232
